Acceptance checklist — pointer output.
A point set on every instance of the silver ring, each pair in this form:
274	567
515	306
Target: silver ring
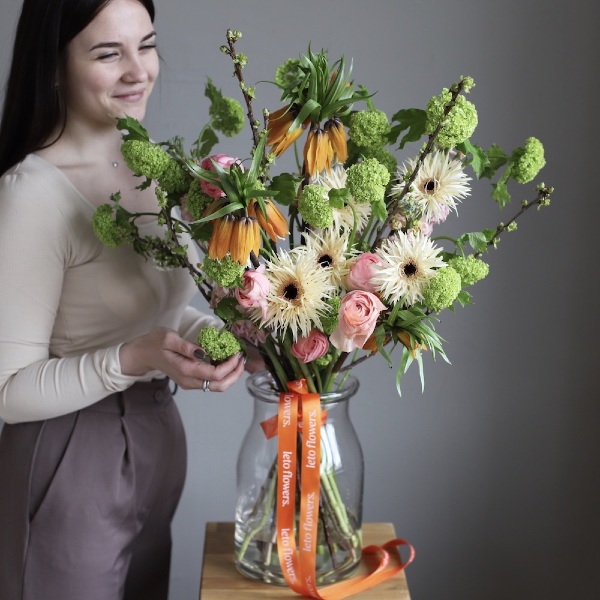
206	386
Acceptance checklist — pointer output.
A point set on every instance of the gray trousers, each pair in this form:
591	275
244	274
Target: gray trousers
87	499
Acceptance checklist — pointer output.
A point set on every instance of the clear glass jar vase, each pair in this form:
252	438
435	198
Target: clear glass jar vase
341	490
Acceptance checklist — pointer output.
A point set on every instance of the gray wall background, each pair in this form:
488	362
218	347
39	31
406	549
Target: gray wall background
492	472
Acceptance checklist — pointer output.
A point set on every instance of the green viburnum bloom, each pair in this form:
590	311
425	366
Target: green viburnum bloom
323	361
227	116
369	128
470	269
527	160
174	179
288	73
106	228
366	181
459	124
441	291
225	272
330	320
384	156
145	158
314	206
219	344
197	200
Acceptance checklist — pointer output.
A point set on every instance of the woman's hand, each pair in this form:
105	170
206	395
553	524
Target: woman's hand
165	351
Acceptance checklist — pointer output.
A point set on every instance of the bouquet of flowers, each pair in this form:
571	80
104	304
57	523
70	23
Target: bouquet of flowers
337	261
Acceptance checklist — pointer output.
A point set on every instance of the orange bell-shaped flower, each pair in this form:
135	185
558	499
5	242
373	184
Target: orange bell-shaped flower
274	223
318	151
245	238
220	240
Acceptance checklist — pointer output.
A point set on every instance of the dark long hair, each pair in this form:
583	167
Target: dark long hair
32	105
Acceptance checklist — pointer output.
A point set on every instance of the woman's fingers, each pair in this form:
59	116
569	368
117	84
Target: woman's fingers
220	385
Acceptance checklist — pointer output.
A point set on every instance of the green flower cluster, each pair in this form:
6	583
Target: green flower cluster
314	206
197	200
288	73
227	116
527	160
330	320
107	230
369	128
145	158
442	289
366	181
458	125
174	180
470	269
219	344
225	272
383	156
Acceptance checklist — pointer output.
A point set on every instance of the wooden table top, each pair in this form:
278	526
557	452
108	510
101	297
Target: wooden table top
221	580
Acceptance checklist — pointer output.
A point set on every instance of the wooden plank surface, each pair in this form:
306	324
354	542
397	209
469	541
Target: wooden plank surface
221	580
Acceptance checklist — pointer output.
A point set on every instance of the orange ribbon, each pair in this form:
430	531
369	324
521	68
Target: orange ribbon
300	409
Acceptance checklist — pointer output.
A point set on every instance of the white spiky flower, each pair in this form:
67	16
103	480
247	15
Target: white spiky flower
343	218
440	183
409	261
330	250
299	287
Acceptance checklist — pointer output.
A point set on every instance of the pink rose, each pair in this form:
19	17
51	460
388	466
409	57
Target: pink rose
207	163
358	317
311	347
362	272
254	292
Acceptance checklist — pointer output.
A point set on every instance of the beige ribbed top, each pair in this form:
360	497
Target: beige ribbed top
67	302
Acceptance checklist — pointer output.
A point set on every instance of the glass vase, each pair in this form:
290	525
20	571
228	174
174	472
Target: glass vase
341	489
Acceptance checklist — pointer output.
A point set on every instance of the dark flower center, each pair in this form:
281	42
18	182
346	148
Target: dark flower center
430	186
290	291
325	260
410	269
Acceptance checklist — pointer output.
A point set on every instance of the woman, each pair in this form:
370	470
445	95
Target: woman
92	458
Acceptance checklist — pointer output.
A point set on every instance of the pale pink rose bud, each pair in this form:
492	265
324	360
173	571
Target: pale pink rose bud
359	312
311	347
248	331
207	163
362	271
254	290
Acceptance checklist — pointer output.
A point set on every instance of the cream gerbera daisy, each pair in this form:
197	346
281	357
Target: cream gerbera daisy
330	250
299	287
343	218
409	262
439	184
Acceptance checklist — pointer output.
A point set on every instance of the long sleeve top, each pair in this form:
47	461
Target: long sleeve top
67	302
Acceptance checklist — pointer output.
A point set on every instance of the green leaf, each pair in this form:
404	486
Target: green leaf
206	142
227	310
479	160
337	198
500	189
212	93
135	130
496	159
286	187
201	232
379	340
226	210
412	119
476	239
379	210
463	298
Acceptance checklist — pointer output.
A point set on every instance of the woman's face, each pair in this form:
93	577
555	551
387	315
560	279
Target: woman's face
111	65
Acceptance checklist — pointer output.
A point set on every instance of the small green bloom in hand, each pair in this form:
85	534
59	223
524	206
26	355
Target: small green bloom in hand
366	181
470	269
227	116
314	206
458	125
219	344
107	230
527	160
369	128
442	289
145	158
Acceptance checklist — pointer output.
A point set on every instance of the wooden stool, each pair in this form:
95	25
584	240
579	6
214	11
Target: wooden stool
221	580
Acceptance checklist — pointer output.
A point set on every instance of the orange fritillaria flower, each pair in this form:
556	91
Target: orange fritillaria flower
274	224
337	137
220	240
318	151
278	134
245	238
